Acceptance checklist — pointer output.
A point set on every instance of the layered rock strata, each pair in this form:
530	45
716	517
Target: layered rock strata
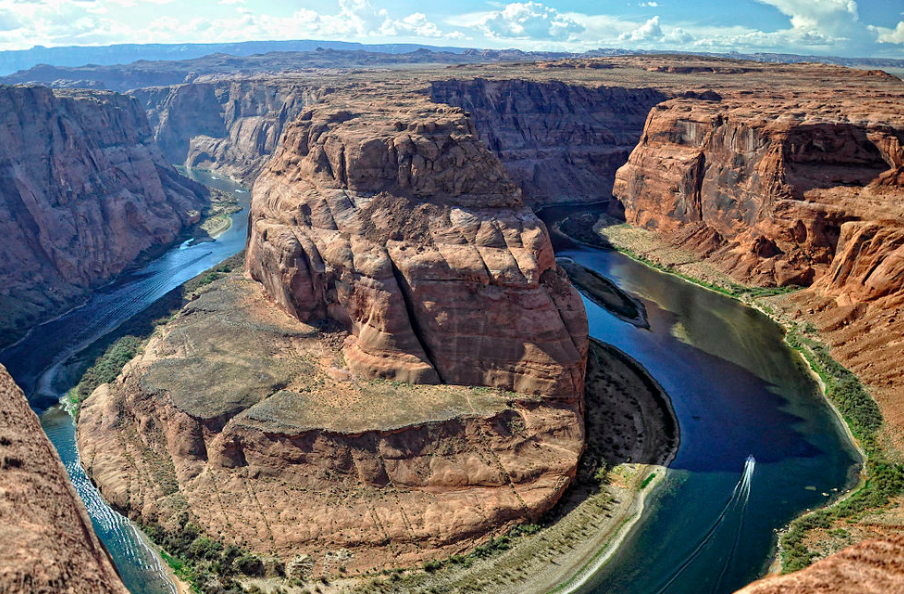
251	422
558	142
763	185
84	191
326	409
49	545
396	221
232	126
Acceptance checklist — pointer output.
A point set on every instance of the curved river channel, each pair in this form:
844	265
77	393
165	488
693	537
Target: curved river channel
737	389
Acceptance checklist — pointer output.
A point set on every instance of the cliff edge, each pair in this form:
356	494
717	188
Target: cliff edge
84	191
49	544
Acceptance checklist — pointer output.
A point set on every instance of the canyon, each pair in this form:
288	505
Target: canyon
84	192
403	341
406	270
231	126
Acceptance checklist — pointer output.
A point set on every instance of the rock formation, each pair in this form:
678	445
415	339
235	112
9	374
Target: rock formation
232	126
762	185
83	192
410	271
782	187
871	567
49	545
559	142
396	221
251	422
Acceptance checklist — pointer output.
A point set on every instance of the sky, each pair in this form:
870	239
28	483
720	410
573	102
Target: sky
862	28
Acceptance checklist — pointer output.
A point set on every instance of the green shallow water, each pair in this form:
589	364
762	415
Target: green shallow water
738	390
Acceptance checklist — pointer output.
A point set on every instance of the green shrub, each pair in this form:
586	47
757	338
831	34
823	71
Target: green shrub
864	418
432	565
204	548
249	564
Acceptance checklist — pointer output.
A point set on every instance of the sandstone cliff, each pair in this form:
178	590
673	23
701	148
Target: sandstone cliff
252	423
231	126
871	567
348	429
395	220
83	192
559	142
762	184
49	545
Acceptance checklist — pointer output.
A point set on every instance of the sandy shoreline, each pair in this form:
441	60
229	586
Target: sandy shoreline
633	241
592	519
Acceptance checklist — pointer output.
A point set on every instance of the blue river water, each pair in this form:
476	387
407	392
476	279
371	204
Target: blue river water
37	359
737	390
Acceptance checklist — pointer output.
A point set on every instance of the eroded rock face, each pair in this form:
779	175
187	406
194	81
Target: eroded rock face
49	544
558	142
396	221
871	567
391	218
231	126
83	192
762	186
251	422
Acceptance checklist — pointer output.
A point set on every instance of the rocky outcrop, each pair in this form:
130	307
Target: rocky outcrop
558	142
871	567
49	544
83	192
231	126
255	424
424	391
868	263
760	185
396	221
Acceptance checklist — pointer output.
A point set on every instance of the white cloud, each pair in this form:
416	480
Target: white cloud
529	20
25	23
649	31
415	24
813	26
8	21
895	35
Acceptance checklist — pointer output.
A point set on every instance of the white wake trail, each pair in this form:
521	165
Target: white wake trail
739	496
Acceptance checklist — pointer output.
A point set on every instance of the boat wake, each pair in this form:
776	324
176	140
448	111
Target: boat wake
734	509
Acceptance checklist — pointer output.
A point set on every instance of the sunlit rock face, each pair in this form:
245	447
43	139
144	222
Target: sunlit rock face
398	222
766	188
385	243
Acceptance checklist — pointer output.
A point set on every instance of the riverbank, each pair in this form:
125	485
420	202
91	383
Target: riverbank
869	509
217	219
632	436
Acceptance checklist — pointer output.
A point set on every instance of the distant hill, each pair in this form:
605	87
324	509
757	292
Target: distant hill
15	60
125	67
143	73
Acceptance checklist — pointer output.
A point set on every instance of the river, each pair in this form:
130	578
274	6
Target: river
737	390
35	361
